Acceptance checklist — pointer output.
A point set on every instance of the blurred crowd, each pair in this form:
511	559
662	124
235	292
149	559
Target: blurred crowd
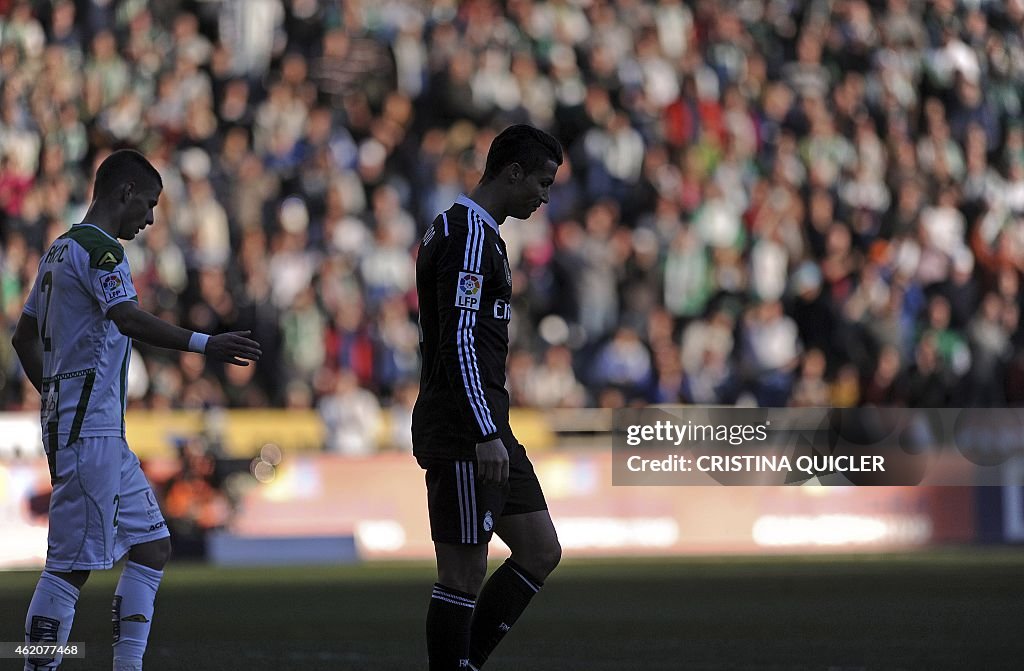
784	202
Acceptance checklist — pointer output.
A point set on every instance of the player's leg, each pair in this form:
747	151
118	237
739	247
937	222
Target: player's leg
143	535
76	579
460	572
527	529
51	613
80	539
457	505
535	554
533	541
461	567
152	554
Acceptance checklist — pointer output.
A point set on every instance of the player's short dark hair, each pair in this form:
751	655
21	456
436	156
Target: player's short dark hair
124	165
528	146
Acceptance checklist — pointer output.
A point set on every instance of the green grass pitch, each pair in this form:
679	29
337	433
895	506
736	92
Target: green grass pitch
954	609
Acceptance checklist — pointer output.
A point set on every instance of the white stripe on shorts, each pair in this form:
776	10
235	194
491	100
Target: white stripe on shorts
465	485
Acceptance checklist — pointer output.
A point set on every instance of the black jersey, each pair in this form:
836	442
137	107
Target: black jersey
464	285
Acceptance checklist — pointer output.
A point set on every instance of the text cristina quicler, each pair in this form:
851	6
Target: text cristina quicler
758	463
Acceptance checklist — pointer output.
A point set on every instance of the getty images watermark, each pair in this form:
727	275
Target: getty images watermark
674	445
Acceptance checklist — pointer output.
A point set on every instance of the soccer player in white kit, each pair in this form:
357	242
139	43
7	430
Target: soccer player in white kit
74	342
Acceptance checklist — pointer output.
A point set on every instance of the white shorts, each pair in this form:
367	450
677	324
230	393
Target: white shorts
101	505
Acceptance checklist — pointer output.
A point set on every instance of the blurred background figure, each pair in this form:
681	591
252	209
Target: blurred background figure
351	416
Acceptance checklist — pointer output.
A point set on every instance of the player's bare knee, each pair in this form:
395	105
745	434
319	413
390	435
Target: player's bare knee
552	555
154	554
548	557
464	576
75	578
461	567
464	579
541	559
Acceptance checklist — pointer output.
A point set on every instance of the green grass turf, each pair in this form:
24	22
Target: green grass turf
961	609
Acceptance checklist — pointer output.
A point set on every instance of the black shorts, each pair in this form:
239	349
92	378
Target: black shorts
464	511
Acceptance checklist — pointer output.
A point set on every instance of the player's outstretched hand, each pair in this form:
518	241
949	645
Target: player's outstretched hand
233	347
492	461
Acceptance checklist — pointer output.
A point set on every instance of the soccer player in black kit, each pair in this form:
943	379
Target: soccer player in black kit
479	479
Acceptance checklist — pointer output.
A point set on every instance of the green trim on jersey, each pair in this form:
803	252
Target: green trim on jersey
124	384
104	252
83	405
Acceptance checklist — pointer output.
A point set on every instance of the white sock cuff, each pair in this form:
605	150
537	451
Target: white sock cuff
59	587
145	574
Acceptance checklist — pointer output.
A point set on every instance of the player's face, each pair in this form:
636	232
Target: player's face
138	212
534	190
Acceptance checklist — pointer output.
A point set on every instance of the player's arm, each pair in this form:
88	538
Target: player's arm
134	322
29	348
106	275
460	282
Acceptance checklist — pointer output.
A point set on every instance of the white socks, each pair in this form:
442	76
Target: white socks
52	611
50	615
132	614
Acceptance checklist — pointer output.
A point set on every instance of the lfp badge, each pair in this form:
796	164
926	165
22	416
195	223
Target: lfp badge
467	294
113	286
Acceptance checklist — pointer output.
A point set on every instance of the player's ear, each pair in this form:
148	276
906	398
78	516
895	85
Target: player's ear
515	173
127	191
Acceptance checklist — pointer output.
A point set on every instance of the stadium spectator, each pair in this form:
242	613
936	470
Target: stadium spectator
810	389
880	389
624	363
350	415
194	500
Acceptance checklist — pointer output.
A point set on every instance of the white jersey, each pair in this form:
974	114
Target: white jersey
85	358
